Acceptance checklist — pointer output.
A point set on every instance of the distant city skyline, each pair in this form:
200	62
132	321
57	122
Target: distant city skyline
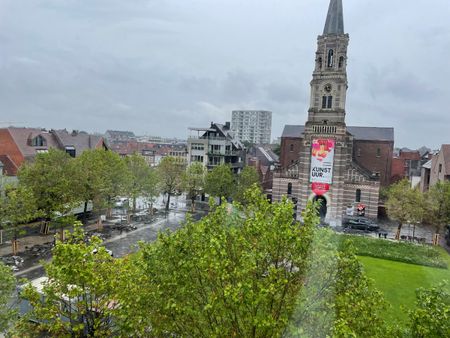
157	67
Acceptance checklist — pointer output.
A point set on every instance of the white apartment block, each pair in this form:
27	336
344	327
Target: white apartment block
254	126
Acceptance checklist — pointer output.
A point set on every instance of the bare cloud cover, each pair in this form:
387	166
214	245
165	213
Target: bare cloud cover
160	66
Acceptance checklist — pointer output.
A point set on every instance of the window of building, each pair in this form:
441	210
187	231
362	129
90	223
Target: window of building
39	141
330	58
358	152
319	63
341	62
71	151
197	146
440	168
196	158
358	195
289	189
327	102
291	148
378	152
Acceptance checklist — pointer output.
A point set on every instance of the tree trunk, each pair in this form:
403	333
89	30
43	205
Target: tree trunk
134	204
85	212
399	230
151	209
168	202
15	244
436	239
61	233
193	204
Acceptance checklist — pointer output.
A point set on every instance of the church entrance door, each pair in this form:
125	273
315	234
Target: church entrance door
323	206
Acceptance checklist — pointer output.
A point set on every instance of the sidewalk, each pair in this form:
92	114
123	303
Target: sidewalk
27	242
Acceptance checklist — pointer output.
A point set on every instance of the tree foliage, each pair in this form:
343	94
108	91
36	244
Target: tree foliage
52	180
405	204
77	300
246	179
18	207
338	300
431	317
170	171
219	182
193	181
103	176
232	274
7	285
438	206
143	181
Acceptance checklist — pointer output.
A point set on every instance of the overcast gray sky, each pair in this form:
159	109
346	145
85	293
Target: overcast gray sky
159	66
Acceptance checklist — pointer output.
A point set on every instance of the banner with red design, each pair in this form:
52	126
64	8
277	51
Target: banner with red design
320	189
322	158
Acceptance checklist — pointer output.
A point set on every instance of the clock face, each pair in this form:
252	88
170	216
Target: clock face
328	88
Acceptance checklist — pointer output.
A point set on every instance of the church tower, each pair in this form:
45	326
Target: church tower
327	146
329	83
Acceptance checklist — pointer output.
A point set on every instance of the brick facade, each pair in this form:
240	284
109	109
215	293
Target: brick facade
375	156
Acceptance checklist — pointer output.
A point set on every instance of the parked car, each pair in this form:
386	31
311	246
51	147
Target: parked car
121	202
361	223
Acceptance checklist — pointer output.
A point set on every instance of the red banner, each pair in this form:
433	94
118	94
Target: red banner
320	188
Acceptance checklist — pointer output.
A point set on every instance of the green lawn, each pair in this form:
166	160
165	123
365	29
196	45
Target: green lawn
398	281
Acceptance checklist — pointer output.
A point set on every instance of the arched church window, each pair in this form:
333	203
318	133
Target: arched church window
330	58
319	62
289	189
358	195
292	147
341	62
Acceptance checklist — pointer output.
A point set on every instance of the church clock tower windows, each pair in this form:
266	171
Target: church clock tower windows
330	58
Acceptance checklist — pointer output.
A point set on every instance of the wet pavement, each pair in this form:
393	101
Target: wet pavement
119	237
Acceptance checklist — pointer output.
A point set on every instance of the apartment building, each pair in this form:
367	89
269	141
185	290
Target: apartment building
214	146
253	126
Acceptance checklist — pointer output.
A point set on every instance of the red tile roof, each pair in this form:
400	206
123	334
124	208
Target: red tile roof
9	167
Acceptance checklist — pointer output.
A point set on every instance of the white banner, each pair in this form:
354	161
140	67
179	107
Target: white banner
322	158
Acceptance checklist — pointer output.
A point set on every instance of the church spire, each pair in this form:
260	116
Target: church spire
335	19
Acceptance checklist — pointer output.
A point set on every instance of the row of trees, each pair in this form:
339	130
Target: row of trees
54	184
408	205
248	272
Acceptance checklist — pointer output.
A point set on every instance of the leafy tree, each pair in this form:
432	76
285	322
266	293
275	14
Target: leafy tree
77	300
52	180
219	182
194	181
232	274
338	300
151	188
431	317
404	204
143	181
246	179
170	172
103	177
18	207
438	206
7	285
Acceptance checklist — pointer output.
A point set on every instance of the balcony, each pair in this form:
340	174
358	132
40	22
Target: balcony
210	138
223	153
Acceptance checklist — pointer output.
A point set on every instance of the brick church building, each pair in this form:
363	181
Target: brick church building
341	166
